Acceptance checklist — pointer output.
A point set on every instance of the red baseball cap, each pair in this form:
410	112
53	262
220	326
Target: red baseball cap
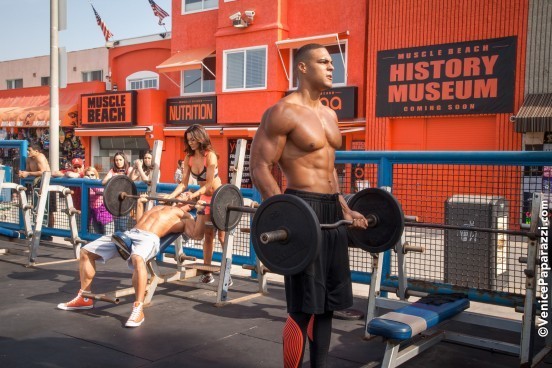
77	162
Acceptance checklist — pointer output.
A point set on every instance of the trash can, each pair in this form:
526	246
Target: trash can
475	258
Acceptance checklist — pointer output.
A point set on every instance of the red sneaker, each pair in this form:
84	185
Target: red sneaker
77	303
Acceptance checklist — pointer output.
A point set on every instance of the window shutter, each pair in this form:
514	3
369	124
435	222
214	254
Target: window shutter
256	65
234	70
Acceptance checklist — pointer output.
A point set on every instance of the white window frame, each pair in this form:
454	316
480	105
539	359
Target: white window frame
203	67
184	12
141	76
10	83
89	72
345	58
244	49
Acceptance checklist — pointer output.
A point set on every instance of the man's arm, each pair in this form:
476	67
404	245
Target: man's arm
140	204
359	221
266	150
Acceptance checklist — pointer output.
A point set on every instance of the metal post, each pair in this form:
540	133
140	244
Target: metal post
54	86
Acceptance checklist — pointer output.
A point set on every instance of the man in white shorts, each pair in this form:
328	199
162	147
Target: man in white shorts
154	224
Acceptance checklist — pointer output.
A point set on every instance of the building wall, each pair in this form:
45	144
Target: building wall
125	60
539	55
411	23
32	69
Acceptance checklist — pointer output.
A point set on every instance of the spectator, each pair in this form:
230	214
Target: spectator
178	172
143	169
101	221
120	167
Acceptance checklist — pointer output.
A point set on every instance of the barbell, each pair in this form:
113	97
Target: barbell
227	205
287	235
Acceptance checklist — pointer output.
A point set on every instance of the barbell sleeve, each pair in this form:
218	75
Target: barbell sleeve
274	236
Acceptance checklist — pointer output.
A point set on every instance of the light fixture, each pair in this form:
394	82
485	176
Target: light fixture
239	22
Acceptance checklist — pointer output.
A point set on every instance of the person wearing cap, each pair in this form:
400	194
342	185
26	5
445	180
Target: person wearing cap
76	171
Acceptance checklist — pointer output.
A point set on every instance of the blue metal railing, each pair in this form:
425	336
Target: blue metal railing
384	163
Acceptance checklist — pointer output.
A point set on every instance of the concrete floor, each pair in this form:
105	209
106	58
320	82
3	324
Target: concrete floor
182	327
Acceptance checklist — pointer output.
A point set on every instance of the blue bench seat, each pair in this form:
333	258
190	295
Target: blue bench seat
406	322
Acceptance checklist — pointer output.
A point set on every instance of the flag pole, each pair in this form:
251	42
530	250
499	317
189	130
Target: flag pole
54	85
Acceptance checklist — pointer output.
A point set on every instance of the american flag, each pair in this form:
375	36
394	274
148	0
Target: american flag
106	32
160	13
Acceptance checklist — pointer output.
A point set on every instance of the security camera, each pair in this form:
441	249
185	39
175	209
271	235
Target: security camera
250	13
235	16
512	118
109	44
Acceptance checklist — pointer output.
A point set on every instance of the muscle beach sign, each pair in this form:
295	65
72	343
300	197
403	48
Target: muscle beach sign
475	77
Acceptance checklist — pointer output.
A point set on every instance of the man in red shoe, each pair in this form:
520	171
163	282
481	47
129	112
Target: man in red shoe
151	226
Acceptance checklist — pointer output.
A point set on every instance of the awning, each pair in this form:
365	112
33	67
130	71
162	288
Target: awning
295	43
250	130
114	132
215	130
185	60
34	111
535	115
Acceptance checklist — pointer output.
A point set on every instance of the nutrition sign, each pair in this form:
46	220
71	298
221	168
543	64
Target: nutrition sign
192	110
109	109
475	77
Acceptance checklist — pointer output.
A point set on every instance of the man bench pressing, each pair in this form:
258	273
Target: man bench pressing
145	237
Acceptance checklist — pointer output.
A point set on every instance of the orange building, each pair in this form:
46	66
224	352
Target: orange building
402	82
233	60
130	115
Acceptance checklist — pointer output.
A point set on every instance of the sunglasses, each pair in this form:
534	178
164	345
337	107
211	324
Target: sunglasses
77	167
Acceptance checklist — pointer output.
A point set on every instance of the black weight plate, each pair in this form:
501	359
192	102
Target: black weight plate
293	214
226	195
390	225
111	195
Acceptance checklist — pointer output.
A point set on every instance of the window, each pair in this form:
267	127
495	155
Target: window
338	77
143	84
95	75
14	83
245	69
191	6
44	81
144	79
200	80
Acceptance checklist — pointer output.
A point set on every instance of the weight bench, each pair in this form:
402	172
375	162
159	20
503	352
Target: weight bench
405	323
155	279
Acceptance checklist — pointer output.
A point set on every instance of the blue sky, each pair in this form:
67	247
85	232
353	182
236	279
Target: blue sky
26	24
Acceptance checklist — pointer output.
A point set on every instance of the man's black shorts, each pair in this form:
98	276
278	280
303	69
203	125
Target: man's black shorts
326	284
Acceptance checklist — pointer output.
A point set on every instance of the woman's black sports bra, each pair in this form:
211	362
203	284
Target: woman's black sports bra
202	176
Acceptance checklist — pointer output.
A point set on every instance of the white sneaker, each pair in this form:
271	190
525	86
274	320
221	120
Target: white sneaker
137	316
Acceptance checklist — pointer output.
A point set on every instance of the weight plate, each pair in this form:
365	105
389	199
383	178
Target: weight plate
294	215
111	195
226	195
390	220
